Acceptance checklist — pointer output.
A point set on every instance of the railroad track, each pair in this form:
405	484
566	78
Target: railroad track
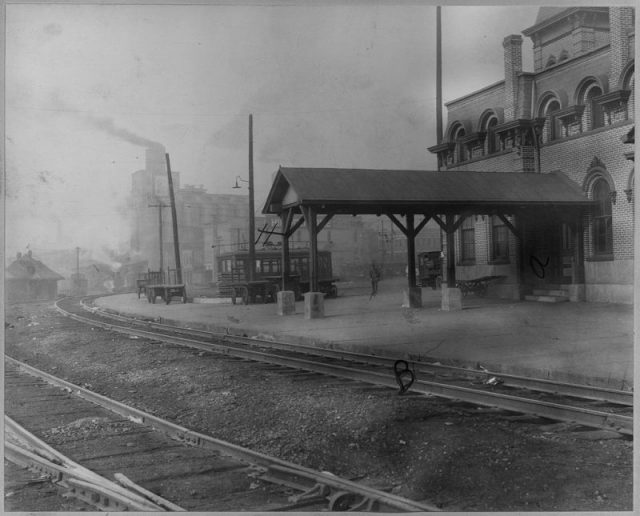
579	404
158	465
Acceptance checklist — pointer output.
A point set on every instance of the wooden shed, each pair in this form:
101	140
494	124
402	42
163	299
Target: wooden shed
28	279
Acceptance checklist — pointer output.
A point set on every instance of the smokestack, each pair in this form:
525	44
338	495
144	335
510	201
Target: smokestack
438	76
155	160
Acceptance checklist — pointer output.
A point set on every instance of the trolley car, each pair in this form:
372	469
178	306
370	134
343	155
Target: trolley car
233	274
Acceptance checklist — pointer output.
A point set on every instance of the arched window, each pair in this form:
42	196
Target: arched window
551	61
492	135
593	115
552	129
460	151
492	141
629	84
602	219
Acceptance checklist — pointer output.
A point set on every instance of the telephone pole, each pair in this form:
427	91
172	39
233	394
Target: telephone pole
252	222
174	217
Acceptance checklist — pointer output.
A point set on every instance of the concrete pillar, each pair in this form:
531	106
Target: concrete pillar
577	292
451	298
286	302
412	297
313	305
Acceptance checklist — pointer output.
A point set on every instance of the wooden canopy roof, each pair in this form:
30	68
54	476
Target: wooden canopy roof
366	191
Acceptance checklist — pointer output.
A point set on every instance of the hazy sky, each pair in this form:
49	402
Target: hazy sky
336	84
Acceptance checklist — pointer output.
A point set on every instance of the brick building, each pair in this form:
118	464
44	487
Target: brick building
572	115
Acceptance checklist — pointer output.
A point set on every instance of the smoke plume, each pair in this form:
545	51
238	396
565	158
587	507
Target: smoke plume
104	124
107	125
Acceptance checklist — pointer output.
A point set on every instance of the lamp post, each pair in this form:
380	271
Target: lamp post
252	244
252	222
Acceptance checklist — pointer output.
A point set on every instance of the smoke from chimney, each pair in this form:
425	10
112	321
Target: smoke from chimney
104	124
107	125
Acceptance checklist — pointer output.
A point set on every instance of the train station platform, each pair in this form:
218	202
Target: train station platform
590	343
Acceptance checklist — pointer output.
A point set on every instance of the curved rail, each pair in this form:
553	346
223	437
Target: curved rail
589	392
561	412
269	468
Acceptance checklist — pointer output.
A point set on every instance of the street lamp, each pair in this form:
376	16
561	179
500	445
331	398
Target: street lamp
252	222
238	178
252	245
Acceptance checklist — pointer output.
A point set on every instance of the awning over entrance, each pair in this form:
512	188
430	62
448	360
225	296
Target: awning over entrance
446	197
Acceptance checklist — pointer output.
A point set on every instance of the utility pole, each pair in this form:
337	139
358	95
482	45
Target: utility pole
176	244
252	222
438	76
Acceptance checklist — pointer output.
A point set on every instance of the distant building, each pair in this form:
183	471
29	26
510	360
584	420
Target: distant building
207	223
28	279
572	115
210	224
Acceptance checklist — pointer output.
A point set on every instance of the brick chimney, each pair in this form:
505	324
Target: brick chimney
621	34
512	67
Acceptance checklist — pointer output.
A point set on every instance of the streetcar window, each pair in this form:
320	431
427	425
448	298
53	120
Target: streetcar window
226	265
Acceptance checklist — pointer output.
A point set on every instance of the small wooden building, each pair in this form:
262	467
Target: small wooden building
28	279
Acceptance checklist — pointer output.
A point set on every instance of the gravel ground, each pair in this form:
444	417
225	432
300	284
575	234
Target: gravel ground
451	454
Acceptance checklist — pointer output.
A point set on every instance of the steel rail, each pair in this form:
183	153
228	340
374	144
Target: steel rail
96	490
588	417
589	392
265	465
